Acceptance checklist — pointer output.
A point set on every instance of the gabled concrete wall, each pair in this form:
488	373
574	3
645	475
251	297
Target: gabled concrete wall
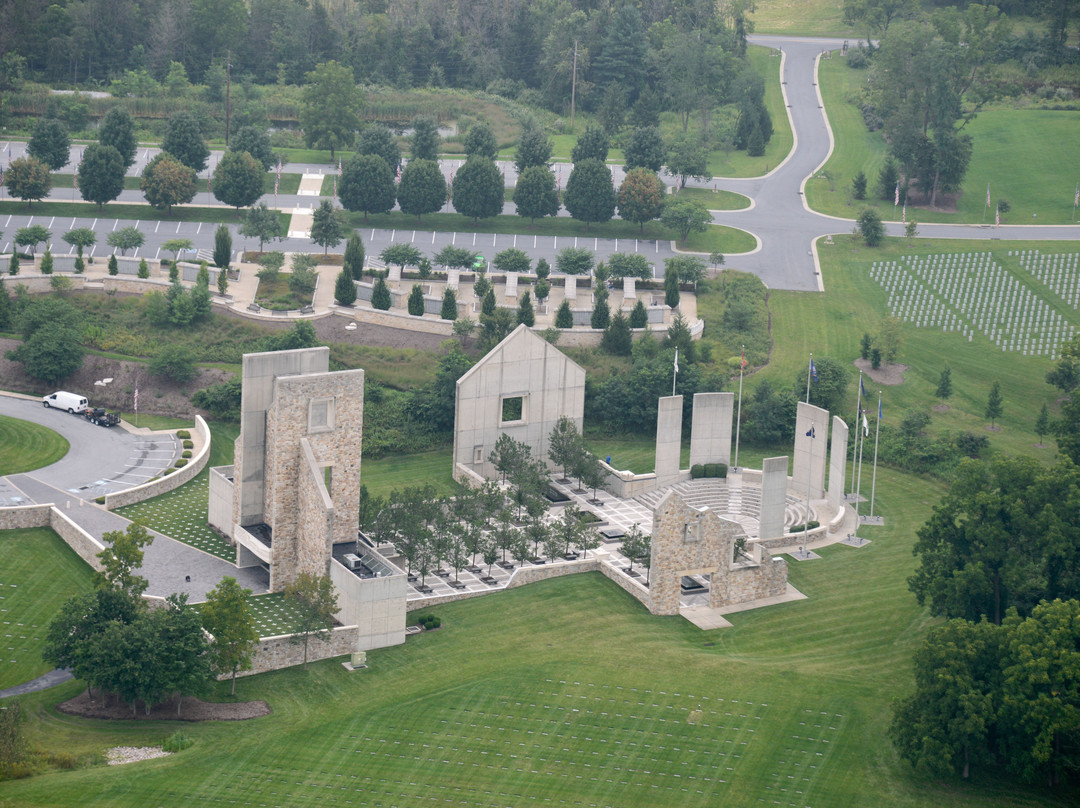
810	452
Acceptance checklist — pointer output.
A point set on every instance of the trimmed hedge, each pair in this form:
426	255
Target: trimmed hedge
189	444
808	526
718	470
186	453
428	621
183	434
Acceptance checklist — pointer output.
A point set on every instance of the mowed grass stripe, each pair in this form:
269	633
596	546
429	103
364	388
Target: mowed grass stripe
39	573
25	446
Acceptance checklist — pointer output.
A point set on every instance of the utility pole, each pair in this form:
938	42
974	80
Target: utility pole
228	87
573	88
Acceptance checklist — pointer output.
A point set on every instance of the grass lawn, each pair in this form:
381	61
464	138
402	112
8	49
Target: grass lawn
574	693
275	294
39	573
116	210
713	200
1023	155
401	471
25	446
804	17
289	183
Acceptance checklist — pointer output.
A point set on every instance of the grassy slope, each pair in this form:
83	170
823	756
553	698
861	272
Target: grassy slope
805	17
38	573
25	446
1022	155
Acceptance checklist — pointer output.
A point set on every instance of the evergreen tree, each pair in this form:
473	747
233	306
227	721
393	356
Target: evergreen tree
487	305
449	305
564	317
480	141
592	144
994	403
144	269
944	385
114	266
424	141
645	149
118	130
525	314
184	141
888	178
380	295
416	301
865	344
671	287
858	186
639	318
618	339
46	267
354	257
222	246
1042	423
534	148
601	313
222	281
345	288
6	308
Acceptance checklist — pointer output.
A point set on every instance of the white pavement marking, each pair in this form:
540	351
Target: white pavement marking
156	254
156	226
433	236
30	222
474	239
72	224
93	250
453	240
136	253
7	222
413	237
198	229
534	242
178	227
53	219
94	225
515	239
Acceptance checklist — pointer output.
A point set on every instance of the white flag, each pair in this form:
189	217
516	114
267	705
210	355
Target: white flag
865	425
676	360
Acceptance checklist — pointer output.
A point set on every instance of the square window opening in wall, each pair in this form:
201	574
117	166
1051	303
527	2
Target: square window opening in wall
692	531
478	454
514	409
320	415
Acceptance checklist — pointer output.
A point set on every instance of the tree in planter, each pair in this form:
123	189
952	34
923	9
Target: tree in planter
263	224
688	268
685	217
567	529
590	196
13	264
353	262
671	287
508	456
100	174
126	238
114	266
858	186
345	289
525	314
226	616
143	271
32	236
380	296
314	604
28	179
327	226
633	545
564	317
565	444
618	340
222	247
367	185
422	188
50	143
46	267
601	313
416	301
512	260
487	305
454	257
403	255
449	305
166	182
238	179
944	385
994	401
478	189
80	238
640	197
574	261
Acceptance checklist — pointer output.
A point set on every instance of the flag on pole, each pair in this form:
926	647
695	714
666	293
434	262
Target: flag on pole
339	165
136	397
879	408
335	185
75	177
676	360
903	214
987	194
276	180
1076	199
810	433
865	425
896	195
742	358
813	370
862	387
399	173
560	178
997	216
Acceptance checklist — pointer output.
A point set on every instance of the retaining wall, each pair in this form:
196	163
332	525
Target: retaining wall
274	653
169	481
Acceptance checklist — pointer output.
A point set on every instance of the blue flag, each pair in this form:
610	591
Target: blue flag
879	409
810	434
813	370
862	388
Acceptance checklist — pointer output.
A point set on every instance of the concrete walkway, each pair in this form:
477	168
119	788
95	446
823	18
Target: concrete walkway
53	678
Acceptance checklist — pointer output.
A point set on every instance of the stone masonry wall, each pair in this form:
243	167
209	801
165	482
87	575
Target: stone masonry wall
274	653
21	517
77	539
170	481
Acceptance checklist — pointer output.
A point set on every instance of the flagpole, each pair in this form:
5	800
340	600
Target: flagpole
877	432
858	476
675	374
808	370
809	468
738	415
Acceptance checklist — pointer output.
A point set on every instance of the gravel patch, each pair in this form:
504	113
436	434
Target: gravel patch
119	755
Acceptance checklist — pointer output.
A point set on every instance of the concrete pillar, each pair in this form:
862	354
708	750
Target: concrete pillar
710	430
837	461
668	439
773	497
810	452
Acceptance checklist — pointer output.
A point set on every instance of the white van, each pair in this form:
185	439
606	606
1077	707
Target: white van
71	402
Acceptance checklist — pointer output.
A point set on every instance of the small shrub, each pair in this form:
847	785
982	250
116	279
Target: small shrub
183	434
181	463
177	742
189	444
169	470
428	621
99	500
697	470
800	528
186	453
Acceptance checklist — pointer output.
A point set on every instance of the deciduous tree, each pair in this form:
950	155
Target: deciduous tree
645	149
327	226
263	224
315	604
641	197
534	148
166	181
367	185
590	196
184	140
100	174
478	189
480	141
226	616
50	143
685	218
126	238
422	188
118	130
238	179
330	114
535	195
28	179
